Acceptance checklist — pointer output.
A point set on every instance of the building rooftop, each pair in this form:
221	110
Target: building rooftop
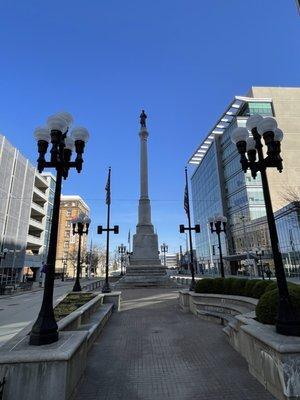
74	198
222	123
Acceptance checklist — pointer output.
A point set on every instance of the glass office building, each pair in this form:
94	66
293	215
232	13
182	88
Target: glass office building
219	186
288	229
207	201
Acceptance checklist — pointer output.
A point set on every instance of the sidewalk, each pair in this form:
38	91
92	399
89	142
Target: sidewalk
152	350
57	283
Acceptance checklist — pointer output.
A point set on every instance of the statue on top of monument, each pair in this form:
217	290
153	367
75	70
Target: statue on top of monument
143	118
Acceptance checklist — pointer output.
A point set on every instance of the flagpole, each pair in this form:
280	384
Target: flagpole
193	283
106	288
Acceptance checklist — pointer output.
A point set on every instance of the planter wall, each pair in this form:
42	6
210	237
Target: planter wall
52	372
273	359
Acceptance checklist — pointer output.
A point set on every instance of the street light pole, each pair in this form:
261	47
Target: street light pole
122	251
45	330
259	253
164	249
115	230
287	323
218	225
80	227
189	228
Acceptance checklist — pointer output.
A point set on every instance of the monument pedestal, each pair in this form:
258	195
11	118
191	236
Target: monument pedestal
145	269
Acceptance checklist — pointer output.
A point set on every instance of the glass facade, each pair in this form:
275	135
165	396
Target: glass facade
288	229
207	202
220	186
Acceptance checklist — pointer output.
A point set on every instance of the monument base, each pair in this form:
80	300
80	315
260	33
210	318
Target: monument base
145	276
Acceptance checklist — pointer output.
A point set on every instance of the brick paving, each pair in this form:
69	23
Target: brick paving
152	350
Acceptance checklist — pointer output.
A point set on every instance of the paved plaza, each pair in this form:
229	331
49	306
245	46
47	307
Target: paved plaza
152	350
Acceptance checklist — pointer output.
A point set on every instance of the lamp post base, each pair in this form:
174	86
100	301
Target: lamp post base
40	339
192	286
288	328
106	288
287	323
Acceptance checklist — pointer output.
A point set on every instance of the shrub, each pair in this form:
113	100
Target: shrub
266	309
249	286
259	288
272	286
204	286
229	285
238	287
218	285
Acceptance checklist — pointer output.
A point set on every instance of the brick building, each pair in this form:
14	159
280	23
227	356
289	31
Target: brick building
67	243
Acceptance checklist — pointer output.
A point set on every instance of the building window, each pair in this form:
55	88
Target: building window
66	244
68	212
68	224
67	234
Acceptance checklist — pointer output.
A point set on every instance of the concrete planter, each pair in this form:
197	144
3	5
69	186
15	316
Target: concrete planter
54	371
273	359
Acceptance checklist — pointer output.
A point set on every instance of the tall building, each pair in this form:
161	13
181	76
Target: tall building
26	198
220	186
67	243
39	223
16	183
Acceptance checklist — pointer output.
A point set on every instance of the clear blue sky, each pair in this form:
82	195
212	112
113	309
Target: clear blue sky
181	60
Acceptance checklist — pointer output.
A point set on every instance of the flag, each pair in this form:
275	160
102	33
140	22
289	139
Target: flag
186	200
107	188
129	236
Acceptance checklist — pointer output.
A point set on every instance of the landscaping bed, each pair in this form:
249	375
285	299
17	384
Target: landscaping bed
71	303
264	290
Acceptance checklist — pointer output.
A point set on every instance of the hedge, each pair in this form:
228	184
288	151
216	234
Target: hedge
266	309
233	286
260	287
264	290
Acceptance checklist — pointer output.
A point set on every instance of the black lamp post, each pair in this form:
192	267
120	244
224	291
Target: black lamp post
259	253
80	227
218	225
266	128
44	330
3	253
164	249
122	251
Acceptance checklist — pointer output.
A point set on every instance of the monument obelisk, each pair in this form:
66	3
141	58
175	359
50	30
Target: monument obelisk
145	268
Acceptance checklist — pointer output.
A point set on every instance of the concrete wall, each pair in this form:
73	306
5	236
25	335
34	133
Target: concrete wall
286	102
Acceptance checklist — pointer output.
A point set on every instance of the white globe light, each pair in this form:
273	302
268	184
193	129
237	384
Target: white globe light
253	121
239	135
42	133
223	219
87	220
69	143
81	217
66	116
80	133
278	135
75	220
250	143
57	123
266	125
211	220
218	217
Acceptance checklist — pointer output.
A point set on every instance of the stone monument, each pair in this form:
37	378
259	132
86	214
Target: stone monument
145	268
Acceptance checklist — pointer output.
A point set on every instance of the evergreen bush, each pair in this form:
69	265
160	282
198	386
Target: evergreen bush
204	286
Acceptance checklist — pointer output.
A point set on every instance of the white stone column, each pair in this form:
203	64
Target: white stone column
144	222
144	164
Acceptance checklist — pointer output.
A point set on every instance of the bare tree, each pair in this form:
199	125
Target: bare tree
291	195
